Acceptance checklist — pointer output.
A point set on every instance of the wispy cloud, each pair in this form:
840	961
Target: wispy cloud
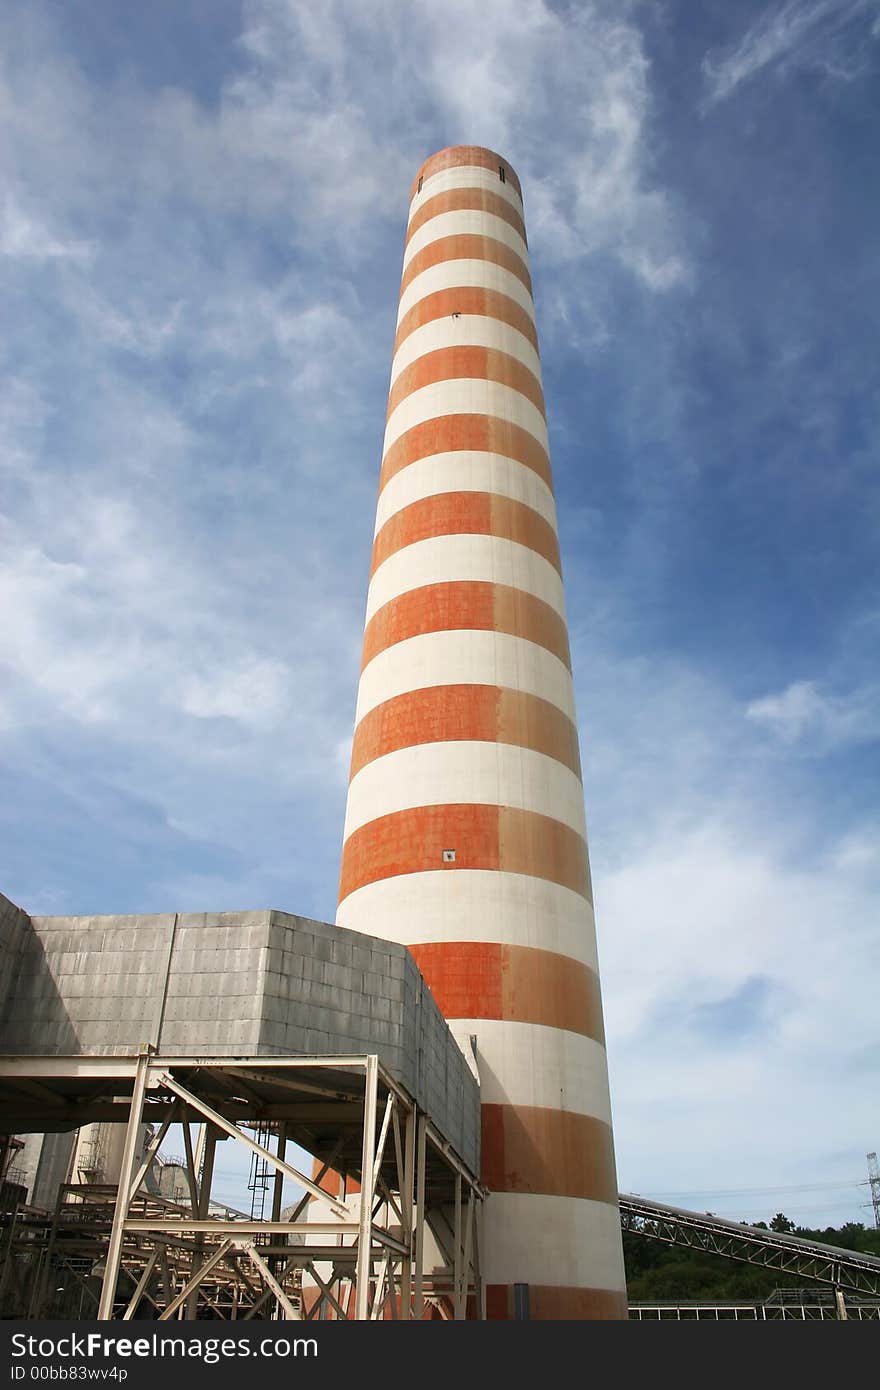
740	953
801	713
390	84
196	378
832	35
23	237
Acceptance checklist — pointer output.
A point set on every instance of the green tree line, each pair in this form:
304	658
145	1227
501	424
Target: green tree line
658	1271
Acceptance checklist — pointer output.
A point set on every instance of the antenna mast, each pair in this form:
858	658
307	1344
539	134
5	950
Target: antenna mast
874	1180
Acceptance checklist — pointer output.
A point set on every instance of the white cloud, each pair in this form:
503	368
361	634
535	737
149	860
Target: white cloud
687	931
179	395
586	177
802	712
23	237
719	905
797	33
34	591
739	979
129	626
255	693
587	182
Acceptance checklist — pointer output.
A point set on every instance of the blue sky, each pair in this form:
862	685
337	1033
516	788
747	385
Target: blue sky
203	211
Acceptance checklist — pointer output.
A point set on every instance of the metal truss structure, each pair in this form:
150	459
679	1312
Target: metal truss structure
805	1259
365	1258
874	1184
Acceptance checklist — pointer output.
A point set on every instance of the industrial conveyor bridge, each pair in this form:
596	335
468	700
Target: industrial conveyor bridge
807	1259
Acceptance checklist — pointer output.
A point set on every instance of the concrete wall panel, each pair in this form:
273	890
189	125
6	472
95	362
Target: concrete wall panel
252	984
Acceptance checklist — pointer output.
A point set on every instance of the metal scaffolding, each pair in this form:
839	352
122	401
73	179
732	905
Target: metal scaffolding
366	1256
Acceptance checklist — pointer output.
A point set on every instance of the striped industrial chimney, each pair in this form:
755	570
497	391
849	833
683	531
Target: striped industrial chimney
464	834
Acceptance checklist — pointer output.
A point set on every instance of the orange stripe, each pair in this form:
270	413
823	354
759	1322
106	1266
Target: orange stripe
451	433
467	299
467	513
466	156
332	1182
470	605
466	360
485	713
466	200
557	1153
483	837
557	1302
466	247
477	979
544	848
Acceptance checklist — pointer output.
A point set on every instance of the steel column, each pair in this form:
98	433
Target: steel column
129	1156
368	1152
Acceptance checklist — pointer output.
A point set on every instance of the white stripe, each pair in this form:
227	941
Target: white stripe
451	275
466	658
465	176
477	330
461	772
534	1239
474	558
479	905
466	222
465	470
465	396
531	1064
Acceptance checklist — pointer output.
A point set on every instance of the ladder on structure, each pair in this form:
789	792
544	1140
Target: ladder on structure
261	1173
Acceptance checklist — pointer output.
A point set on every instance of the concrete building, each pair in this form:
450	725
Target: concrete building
465	833
244	984
260	1027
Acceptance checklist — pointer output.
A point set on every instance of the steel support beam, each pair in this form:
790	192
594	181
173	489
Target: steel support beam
419	1240
126	1173
141	1285
202	1273
229	1128
256	1259
368	1155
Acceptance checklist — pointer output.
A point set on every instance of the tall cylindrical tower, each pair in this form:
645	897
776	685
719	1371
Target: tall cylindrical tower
464	833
